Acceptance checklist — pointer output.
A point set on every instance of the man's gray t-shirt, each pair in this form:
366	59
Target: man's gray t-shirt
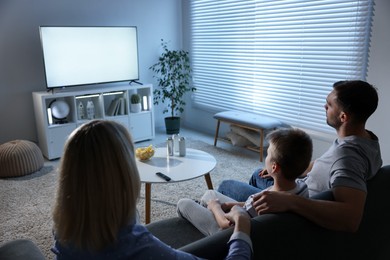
349	162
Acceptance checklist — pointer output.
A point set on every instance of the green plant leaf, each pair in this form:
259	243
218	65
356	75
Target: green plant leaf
173	74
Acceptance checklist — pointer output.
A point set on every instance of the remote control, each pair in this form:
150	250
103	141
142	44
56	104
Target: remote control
162	175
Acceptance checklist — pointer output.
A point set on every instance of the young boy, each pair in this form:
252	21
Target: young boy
288	156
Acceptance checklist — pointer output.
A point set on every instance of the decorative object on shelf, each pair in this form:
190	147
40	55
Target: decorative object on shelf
145	103
135	106
59	110
81	111
173	73
90	110
117	107
144	153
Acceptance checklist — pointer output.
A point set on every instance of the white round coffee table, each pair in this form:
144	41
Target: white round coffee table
195	164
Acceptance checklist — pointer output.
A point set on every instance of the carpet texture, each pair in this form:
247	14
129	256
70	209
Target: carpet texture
26	202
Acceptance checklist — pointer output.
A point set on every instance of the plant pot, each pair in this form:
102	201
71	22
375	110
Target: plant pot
172	125
135	108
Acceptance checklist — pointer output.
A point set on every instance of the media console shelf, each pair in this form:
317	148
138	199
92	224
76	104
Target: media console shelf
111	103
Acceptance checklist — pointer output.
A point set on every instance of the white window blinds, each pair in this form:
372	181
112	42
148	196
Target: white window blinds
277	58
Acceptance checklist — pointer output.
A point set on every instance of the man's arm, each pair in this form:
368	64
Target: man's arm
343	214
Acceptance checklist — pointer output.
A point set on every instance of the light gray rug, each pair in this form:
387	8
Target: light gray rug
26	202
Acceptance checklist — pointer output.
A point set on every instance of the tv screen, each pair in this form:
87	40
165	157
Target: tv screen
89	55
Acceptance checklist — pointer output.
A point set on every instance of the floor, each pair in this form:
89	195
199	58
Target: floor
161	137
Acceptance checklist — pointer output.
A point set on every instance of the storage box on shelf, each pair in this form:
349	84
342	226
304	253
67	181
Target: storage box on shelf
80	106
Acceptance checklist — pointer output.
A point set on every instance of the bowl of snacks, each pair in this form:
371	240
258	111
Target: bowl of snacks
144	153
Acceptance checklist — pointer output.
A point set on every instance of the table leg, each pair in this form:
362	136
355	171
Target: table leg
208	181
148	188
216	133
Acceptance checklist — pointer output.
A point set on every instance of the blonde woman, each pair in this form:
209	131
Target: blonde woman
95	214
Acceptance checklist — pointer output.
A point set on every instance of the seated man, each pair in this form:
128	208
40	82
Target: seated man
353	158
288	156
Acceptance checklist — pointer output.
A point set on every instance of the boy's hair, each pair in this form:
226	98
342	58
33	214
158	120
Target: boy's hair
99	186
292	151
357	97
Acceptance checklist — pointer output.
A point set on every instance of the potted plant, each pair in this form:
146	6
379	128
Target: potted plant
135	106
173	73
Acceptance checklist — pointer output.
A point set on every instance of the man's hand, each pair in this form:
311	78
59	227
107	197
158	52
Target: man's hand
271	201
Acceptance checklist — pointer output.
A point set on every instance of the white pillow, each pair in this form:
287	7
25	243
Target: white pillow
252	136
238	140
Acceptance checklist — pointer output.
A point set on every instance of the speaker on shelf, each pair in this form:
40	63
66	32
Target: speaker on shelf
58	111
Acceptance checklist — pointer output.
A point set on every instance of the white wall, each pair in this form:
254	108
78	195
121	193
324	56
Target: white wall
378	75
21	61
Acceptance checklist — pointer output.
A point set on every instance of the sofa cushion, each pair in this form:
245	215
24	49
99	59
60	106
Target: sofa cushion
20	249
238	140
248	119
175	232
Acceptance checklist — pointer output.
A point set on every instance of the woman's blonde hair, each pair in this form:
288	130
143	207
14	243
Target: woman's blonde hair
99	186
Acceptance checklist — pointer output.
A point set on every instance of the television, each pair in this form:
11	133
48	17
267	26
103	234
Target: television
75	56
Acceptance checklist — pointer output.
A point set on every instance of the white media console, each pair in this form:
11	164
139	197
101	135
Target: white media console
111	103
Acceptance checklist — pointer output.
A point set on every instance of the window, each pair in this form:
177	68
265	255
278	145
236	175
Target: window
277	58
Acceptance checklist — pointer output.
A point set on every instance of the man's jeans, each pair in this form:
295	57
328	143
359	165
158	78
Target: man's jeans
240	191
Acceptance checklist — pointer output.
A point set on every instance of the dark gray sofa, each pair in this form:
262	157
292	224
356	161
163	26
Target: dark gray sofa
274	236
289	236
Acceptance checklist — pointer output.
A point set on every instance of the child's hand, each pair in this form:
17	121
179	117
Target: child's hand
264	174
235	213
226	207
239	218
214	204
